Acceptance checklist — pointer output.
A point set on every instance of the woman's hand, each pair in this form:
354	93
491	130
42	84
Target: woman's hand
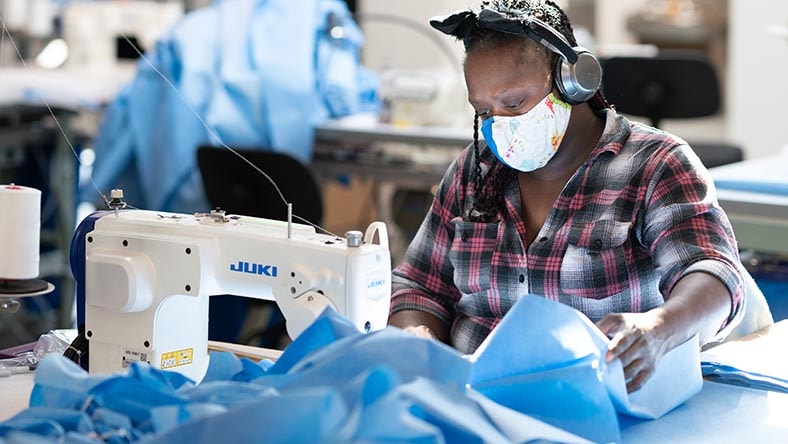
420	323
421	331
636	341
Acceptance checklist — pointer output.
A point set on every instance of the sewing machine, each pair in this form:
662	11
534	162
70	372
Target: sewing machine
103	35
144	279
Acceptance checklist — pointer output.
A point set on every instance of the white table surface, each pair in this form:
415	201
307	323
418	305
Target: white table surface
720	413
14	394
63	87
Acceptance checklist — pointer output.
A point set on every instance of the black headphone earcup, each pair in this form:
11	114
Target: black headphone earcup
578	82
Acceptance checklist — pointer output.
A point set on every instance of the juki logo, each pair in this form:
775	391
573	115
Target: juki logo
248	267
375	283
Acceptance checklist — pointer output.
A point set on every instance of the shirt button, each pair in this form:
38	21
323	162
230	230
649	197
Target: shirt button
543	239
521	278
597	244
464	237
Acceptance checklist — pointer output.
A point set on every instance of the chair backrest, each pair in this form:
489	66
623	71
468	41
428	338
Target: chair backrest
233	185
714	154
670	85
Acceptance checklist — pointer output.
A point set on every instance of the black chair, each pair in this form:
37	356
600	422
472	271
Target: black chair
233	185
670	85
714	154
236	187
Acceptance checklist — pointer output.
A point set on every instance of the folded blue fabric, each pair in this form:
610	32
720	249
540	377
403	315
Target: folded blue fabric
541	359
731	375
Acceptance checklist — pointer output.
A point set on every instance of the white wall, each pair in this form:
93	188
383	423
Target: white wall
611	21
391	45
415	53
757	69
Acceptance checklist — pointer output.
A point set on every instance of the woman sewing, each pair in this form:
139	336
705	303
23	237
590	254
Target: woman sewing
560	196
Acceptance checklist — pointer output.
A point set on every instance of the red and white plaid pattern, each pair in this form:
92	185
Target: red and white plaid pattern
637	216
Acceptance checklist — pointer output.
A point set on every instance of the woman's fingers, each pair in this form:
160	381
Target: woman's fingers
421	331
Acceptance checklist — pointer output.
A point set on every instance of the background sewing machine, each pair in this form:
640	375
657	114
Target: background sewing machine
103	35
144	278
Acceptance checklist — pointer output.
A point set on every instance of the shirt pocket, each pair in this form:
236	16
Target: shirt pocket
595	263
471	255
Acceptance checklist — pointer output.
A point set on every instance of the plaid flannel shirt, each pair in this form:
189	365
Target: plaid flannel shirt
636	217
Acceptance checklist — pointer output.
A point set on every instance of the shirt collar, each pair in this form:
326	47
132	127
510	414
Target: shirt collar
614	136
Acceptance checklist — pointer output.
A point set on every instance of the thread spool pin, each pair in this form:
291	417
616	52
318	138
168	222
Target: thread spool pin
353	238
116	201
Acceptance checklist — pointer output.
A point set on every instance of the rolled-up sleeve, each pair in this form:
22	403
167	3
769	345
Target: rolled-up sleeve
686	231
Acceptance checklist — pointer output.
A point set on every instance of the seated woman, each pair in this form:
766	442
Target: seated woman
564	198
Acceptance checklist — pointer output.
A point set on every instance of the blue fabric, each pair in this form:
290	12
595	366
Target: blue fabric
558	365
754	186
322	332
727	374
335	384
775	289
258	73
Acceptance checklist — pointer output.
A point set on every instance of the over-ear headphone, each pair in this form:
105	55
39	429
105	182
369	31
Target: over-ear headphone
577	73
578	81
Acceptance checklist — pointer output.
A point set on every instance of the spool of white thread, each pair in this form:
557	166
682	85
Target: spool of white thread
20	226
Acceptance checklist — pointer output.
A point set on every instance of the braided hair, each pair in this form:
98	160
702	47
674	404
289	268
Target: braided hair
488	188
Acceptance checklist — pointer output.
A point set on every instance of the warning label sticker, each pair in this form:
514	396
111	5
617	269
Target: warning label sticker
130	356
177	358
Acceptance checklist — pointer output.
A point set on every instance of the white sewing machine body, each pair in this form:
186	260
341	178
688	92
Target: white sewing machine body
148	276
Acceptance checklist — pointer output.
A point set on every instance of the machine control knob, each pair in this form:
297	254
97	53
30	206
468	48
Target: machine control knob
353	238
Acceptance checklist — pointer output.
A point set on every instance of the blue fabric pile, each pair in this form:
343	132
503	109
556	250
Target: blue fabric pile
333	384
539	376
